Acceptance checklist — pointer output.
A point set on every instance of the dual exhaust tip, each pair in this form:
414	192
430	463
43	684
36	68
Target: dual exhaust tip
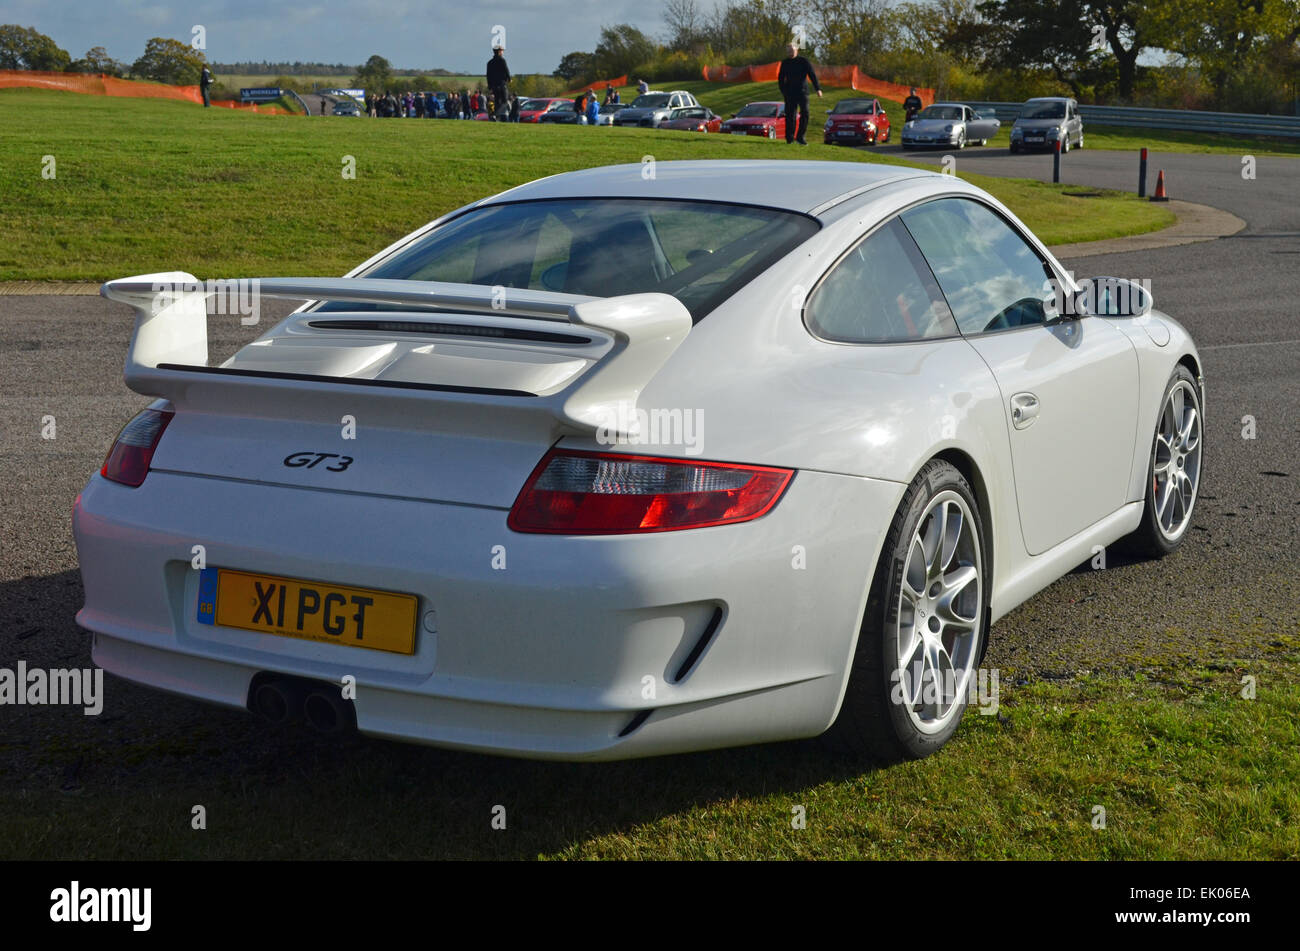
286	700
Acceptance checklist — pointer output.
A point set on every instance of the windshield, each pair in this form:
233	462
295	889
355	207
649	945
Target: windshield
940	112
855	107
760	110
532	105
699	252
654	100
1043	110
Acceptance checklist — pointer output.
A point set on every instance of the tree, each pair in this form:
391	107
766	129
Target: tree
1122	22
756	28
1064	35
1226	38
684	21
169	61
621	49
96	60
376	75
24	48
574	66
857	31
1035	33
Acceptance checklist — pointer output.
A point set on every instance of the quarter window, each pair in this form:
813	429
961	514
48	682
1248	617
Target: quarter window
990	276
880	292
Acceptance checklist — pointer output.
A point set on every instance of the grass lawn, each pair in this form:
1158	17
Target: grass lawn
149	185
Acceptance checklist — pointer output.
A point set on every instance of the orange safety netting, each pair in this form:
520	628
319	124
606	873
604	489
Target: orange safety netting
849	76
97	84
618	82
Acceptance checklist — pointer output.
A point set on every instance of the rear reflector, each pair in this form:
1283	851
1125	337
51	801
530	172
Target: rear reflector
128	461
595	493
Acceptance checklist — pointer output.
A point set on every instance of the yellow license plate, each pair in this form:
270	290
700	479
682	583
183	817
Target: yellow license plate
313	611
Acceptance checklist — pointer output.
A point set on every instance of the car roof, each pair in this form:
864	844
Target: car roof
1050	99
801	186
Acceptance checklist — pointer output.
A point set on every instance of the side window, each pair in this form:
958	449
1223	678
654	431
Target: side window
991	278
881	291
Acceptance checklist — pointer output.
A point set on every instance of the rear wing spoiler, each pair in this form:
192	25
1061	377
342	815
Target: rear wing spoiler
168	353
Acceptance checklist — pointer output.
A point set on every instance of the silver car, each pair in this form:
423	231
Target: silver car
1045	121
649	109
950	125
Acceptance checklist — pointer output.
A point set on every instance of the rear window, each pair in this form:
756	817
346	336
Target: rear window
699	252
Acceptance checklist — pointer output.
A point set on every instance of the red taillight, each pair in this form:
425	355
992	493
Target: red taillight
128	461
600	493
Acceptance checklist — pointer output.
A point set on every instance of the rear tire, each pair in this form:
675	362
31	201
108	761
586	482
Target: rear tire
924	627
1174	470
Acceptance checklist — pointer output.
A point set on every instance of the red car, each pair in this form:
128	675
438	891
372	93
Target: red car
692	119
854	121
758	118
532	110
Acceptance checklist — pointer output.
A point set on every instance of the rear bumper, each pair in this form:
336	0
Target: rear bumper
547	647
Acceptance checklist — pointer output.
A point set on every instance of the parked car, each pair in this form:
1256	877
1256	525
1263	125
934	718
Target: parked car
346	109
1045	121
608	111
531	110
566	113
949	125
652	108
692	119
854	121
932	441
758	118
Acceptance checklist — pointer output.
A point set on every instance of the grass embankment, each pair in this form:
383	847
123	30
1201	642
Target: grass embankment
149	185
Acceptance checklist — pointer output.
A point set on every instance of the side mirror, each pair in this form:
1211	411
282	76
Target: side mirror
1114	297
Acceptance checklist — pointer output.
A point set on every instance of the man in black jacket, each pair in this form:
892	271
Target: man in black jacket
205	85
498	75
912	104
792	79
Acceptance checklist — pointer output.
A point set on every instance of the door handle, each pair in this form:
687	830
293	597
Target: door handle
1024	410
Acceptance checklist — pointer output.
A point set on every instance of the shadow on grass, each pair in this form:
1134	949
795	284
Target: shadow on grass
123	784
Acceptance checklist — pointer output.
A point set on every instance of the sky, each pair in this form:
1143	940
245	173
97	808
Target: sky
410	34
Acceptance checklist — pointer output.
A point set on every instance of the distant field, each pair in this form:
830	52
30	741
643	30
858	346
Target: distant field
147	185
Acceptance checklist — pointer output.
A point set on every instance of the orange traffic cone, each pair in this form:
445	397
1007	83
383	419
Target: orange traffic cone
1160	188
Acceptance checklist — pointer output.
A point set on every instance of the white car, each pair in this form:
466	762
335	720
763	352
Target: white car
751	449
949	124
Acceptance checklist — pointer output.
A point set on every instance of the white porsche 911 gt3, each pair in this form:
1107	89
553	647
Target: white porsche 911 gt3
621	463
